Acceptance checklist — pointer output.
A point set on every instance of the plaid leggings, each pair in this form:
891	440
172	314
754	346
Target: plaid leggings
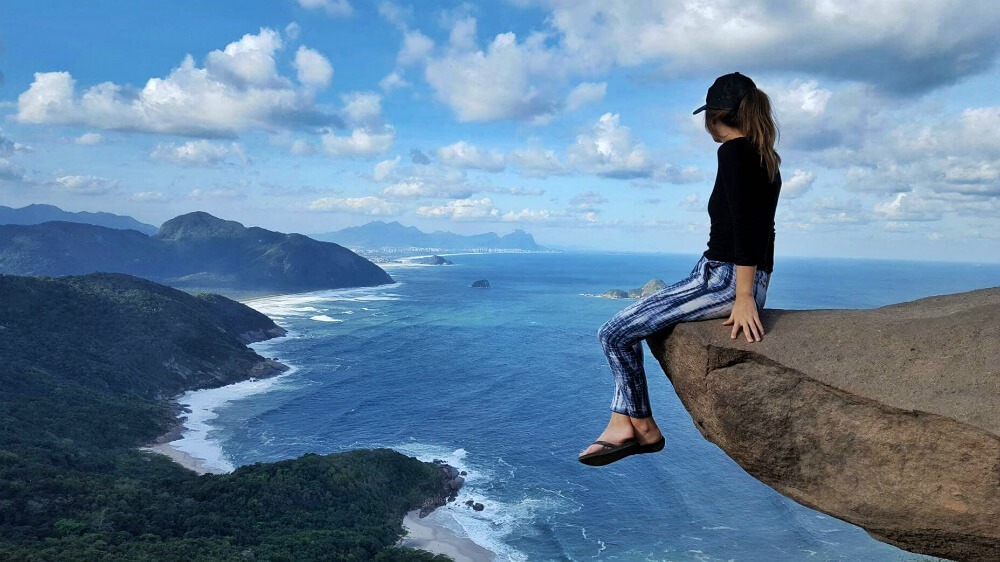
709	291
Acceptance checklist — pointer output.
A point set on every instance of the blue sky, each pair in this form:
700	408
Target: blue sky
571	120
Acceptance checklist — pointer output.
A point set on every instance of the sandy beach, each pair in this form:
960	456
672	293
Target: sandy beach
430	534
163	444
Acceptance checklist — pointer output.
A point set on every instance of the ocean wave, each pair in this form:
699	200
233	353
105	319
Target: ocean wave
197	438
324	318
301	304
486	528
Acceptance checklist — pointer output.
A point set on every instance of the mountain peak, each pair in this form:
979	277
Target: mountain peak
198	224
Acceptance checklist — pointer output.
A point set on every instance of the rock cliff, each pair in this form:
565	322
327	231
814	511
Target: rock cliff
888	418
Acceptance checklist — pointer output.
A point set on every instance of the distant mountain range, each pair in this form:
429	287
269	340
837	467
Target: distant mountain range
194	250
380	234
36	213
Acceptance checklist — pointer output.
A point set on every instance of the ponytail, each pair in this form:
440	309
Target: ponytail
753	117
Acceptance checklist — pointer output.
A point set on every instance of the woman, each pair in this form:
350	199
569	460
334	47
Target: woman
730	278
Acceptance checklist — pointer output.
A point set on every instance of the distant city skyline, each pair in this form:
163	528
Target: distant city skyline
571	121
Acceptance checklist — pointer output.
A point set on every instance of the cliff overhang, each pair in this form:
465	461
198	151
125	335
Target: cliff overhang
888	418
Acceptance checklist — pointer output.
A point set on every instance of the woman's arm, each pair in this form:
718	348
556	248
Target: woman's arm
744	314
744	202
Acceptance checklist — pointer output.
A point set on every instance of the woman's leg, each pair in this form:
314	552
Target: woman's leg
708	292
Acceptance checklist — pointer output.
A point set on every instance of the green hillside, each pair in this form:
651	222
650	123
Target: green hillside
89	360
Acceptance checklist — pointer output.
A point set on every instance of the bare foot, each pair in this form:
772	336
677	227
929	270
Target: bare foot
621	428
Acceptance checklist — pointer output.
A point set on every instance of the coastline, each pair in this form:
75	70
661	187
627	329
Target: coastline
431	534
164	443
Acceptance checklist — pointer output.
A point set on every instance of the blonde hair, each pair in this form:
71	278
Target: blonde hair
754	118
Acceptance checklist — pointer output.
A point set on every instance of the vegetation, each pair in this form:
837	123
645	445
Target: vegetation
82	386
194	250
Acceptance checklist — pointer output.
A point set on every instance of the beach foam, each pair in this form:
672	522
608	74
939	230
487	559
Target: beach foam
307	304
487	528
196	439
324	318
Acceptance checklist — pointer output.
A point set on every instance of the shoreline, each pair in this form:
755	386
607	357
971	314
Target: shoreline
163	443
430	534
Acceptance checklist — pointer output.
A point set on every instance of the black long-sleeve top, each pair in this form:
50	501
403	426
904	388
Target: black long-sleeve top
742	207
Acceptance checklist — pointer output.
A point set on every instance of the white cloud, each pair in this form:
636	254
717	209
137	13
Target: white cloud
461	209
417	188
527	215
367	205
901	45
362	108
585	93
536	162
301	147
416	47
464	155
238	89
906	207
395	14
384	168
509	80
89	139
312	67
334	8
202	153
609	150
362	142
798	184
85	185
393	81
485	210
8	147
143	196
248	62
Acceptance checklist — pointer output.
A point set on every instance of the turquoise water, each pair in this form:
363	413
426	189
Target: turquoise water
510	384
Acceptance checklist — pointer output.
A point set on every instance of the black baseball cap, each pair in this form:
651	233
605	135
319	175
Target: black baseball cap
726	92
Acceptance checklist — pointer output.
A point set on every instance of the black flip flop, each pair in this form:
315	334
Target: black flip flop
612	453
652	447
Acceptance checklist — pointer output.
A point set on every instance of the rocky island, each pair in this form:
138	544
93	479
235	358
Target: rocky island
649	288
428	260
888	418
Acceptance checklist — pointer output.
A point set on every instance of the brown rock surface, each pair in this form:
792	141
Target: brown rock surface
888	418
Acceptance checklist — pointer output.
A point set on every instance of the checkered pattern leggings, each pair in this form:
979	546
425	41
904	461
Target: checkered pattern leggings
709	291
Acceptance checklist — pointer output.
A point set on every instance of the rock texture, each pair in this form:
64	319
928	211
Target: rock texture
888	418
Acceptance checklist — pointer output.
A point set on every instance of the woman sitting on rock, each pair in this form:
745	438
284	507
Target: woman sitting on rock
730	278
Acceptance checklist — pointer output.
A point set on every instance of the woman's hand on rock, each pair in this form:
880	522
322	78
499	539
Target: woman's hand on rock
744	315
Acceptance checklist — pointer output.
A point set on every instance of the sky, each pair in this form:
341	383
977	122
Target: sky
570	120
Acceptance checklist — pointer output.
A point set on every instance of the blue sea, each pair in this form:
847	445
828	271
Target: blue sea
510	384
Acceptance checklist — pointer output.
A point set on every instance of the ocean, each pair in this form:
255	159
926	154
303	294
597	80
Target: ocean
510	384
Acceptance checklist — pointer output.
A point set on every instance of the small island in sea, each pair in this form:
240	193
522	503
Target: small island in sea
428	260
649	288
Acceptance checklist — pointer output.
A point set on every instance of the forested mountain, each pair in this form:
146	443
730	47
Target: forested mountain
38	213
194	250
87	362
